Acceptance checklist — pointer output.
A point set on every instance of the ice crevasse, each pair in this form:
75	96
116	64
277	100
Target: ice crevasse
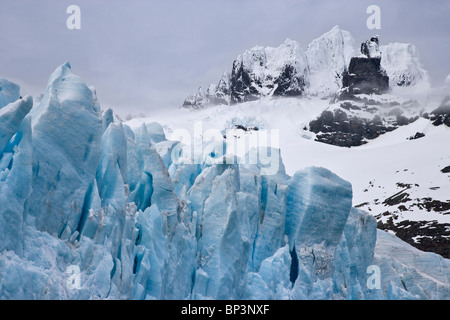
91	209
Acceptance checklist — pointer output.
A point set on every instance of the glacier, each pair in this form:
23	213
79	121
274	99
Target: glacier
9	92
93	209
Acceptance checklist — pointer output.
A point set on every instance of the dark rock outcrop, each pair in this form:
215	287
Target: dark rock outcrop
365	74
429	236
418	135
243	87
254	76
398	213
257	73
341	128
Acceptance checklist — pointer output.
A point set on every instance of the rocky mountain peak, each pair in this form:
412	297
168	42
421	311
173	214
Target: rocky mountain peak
289	71
365	74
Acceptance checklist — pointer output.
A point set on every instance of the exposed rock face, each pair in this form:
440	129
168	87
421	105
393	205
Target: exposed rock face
196	101
268	72
429	236
351	124
403	66
353	119
397	211
365	74
418	135
339	129
370	48
283	71
328	64
256	73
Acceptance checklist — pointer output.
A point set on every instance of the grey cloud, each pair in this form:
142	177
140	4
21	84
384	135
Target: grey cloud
146	55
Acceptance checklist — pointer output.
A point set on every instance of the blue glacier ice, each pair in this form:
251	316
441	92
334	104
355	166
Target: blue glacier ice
9	92
15	171
93	209
65	156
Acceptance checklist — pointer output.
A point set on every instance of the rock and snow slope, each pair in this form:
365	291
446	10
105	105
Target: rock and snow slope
394	164
93	208
328	57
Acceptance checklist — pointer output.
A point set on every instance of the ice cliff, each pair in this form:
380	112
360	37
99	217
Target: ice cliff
91	209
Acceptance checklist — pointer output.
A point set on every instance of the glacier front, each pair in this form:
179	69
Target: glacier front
92	209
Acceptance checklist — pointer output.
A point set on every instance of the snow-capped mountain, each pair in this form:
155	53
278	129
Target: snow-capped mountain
94	208
328	58
288	70
354	121
9	92
258	72
402	63
261	72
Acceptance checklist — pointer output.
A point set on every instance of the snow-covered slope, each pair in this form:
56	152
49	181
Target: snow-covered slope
402	63
328	57
115	210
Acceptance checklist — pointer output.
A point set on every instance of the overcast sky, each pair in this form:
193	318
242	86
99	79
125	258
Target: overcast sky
146	55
